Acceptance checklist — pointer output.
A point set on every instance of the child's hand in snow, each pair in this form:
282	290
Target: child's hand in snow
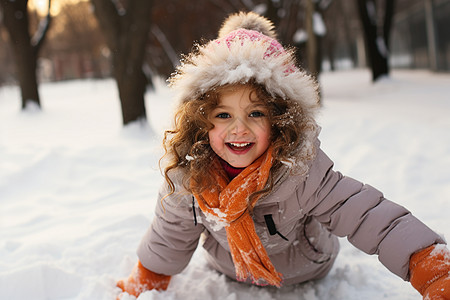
141	280
429	270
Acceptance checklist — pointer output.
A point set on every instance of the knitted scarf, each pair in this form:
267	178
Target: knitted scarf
227	204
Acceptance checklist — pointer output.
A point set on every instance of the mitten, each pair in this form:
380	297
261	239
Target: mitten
429	272
141	280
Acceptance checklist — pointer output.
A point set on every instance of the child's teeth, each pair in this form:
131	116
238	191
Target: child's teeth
240	144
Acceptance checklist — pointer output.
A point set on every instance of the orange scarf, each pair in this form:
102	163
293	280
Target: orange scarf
227	204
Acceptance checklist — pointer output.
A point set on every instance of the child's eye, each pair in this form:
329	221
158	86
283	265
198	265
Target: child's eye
223	116
257	114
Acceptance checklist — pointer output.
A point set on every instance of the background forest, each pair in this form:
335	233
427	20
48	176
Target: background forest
136	41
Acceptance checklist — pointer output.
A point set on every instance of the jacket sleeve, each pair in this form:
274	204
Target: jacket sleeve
172	238
375	225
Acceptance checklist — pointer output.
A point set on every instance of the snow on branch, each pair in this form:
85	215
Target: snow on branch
44	25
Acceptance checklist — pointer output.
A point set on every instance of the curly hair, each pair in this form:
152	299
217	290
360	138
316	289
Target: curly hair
187	145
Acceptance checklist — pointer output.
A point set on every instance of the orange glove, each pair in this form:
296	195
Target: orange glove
429	270
141	280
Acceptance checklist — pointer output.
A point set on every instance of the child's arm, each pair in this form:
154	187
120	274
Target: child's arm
167	246
375	225
171	240
429	272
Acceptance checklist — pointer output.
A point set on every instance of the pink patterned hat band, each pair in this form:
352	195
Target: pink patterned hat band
274	48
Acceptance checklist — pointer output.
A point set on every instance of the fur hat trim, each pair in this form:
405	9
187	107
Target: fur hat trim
240	56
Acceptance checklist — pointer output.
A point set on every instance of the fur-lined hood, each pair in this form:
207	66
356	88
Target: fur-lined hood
245	49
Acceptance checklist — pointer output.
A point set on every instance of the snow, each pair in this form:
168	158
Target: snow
381	46
319	25
77	190
41	30
319	28
300	36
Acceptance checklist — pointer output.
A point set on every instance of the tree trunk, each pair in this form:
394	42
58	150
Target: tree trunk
126	30
272	12
376	43
15	16
311	44
432	38
131	83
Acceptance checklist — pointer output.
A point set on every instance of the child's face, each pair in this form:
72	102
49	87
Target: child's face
241	130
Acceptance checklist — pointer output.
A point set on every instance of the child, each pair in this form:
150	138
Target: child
246	171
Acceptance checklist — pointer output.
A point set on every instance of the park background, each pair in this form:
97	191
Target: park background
79	172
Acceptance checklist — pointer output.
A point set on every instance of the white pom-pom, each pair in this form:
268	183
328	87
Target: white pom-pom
250	21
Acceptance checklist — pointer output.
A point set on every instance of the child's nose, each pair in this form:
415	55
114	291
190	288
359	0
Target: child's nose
239	127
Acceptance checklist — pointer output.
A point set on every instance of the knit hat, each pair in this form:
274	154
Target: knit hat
245	49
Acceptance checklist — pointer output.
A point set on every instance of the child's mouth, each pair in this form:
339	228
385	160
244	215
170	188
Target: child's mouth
239	148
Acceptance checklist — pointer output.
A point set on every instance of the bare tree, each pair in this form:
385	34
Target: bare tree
177	25
315	28
25	46
6	59
376	34
126	26
343	29
75	45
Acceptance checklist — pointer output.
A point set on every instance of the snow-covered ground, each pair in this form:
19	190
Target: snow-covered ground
77	190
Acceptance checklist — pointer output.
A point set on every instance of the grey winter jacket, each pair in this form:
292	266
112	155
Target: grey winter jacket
309	211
